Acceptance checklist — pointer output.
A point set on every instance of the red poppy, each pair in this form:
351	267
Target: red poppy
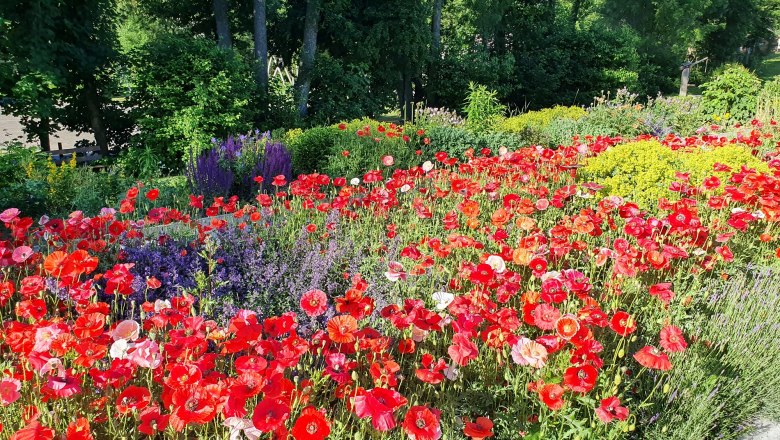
610	409
311	425
551	394
379	404
270	414
279	180
581	379
153	283
662	291
314	302
432	371
653	358
672	339
479	429
545	316
482	274
152	421
33	431
422	423
133	398
341	329
462	350
342	126
79	429
152	194
622	323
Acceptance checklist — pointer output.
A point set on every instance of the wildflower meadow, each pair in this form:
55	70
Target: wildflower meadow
509	293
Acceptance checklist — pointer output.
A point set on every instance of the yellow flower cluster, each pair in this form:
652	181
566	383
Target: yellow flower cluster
537	120
643	171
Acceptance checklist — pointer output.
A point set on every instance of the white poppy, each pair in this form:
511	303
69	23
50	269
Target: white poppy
443	299
497	263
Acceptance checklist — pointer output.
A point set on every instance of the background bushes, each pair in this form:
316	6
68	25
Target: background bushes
186	92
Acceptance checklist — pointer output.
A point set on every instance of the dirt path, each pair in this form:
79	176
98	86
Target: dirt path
11	130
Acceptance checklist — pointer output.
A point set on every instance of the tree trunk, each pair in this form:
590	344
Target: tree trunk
43	134
405	97
223	24
309	50
261	45
95	119
436	29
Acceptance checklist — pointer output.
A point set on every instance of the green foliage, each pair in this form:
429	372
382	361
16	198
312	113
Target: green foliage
186	92
341	91
618	115
482	108
768	101
455	141
732	91
682	115
310	148
536	127
449	77
142	162
366	142
643	171
736	318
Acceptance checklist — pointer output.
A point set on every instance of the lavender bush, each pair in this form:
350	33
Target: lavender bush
231	166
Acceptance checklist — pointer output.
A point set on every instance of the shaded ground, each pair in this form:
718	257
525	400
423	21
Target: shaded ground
11	130
768	70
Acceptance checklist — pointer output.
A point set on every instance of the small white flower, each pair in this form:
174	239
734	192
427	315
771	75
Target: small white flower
759	214
699	252
406	188
237	425
737	211
443	299
160	305
427	166
497	263
503	151
584	195
119	349
551	274
355	181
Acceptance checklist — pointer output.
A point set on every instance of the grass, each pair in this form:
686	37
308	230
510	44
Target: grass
770	67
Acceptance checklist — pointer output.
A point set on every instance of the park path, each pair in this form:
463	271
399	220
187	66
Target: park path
11	130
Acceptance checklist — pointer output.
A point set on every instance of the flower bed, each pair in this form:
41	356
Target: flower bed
495	298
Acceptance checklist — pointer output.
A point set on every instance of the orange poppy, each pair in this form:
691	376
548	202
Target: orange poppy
53	263
341	329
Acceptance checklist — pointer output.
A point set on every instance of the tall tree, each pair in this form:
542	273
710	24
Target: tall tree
221	17
436	29
308	52
60	52
261	45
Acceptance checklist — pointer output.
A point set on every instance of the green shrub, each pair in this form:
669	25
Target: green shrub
456	140
366	141
540	119
643	171
98	190
310	148
186	91
618	115
732	91
534	126
482	108
682	115
768	101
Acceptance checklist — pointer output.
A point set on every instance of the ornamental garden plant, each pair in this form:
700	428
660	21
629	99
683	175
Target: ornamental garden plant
511	294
